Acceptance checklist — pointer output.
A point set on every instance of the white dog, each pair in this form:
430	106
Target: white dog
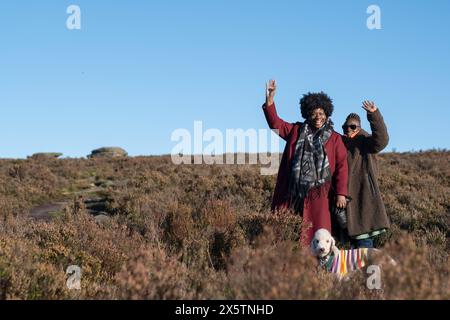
342	262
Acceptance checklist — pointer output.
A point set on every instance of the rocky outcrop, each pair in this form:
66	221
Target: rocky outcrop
46	155
108	152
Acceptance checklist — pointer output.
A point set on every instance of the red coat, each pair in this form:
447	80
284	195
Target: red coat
316	209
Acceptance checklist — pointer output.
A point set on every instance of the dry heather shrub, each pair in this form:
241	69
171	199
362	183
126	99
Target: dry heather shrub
219	220
31	181
143	203
275	270
151	274
283	224
242	185
418	274
416	191
8	208
200	216
205	237
219	215
24	276
100	252
178	225
354	288
208	283
142	213
110	245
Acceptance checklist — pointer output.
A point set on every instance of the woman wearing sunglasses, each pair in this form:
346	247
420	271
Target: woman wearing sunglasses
366	214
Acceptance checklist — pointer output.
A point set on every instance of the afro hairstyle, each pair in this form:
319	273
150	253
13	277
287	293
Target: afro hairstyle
311	101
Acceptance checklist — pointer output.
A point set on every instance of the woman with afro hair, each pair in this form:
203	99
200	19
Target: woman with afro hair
313	171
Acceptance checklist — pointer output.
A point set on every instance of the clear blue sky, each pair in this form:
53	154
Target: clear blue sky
137	70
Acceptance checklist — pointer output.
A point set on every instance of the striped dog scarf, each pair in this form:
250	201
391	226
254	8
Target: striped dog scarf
347	261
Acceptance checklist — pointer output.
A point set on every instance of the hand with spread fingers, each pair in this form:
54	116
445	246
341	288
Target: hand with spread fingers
271	87
369	106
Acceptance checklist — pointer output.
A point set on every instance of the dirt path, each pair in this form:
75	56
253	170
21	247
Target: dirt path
95	204
47	211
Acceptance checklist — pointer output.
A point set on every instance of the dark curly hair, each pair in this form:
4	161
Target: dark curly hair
311	101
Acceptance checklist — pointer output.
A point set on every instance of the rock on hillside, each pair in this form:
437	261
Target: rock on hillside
46	155
109	152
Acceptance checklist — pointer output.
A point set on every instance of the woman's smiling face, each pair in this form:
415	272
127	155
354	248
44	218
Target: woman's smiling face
317	118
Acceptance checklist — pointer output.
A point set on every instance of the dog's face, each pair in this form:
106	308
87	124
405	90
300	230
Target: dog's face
322	243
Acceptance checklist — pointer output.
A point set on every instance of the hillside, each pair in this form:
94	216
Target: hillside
144	228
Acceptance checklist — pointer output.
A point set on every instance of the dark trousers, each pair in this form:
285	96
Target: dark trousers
362	243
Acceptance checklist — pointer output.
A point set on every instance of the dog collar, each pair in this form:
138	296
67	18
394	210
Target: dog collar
327	261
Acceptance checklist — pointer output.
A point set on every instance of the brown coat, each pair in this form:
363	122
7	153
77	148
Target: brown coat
366	212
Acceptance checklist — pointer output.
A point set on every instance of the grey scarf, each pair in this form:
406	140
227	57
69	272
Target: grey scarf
310	167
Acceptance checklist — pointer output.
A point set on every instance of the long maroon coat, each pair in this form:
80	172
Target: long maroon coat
316	208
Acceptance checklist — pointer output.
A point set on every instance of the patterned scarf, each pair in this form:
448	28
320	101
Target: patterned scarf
310	166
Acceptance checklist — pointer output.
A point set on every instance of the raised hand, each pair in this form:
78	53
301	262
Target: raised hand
271	87
369	106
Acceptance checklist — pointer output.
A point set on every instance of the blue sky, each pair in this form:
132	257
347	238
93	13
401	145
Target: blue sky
138	70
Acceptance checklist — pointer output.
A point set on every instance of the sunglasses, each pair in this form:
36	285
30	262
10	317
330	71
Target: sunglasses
352	126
